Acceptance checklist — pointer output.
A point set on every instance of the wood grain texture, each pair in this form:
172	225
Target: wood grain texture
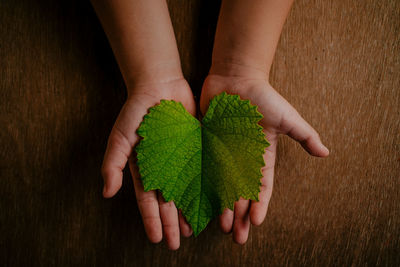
338	63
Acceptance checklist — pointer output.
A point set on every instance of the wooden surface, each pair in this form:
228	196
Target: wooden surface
338	63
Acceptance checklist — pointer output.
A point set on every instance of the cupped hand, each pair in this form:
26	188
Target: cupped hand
279	118
160	218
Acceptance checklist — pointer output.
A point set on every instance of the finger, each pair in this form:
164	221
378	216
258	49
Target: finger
241	223
190	105
185	228
148	207
258	209
226	221
170	223
115	158
303	133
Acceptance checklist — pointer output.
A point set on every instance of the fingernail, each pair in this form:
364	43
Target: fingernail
326	150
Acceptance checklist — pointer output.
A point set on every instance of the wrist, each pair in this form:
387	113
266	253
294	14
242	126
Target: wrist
234	67
153	73
157	87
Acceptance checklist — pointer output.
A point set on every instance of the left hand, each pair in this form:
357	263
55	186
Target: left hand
279	118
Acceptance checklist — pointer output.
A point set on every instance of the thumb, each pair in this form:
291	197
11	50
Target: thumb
115	159
302	132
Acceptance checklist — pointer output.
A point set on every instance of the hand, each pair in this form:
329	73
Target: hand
159	218
279	118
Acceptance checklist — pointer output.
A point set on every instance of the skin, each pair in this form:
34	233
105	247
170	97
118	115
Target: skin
279	118
245	42
160	219
143	41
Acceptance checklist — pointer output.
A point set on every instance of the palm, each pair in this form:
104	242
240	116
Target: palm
161	218
279	118
158	216
141	100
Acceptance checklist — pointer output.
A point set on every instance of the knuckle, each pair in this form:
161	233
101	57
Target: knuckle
105	171
315	135
167	205
151	220
145	201
263	187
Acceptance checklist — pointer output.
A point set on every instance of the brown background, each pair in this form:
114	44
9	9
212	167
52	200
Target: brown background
338	63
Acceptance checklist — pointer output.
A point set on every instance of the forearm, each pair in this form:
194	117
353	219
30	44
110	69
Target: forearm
142	38
247	35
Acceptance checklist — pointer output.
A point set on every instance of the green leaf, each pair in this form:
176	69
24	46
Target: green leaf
204	168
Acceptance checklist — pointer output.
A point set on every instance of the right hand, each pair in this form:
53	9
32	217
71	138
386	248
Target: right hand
160	218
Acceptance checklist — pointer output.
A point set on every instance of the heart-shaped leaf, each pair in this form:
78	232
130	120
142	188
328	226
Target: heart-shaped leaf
202	167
